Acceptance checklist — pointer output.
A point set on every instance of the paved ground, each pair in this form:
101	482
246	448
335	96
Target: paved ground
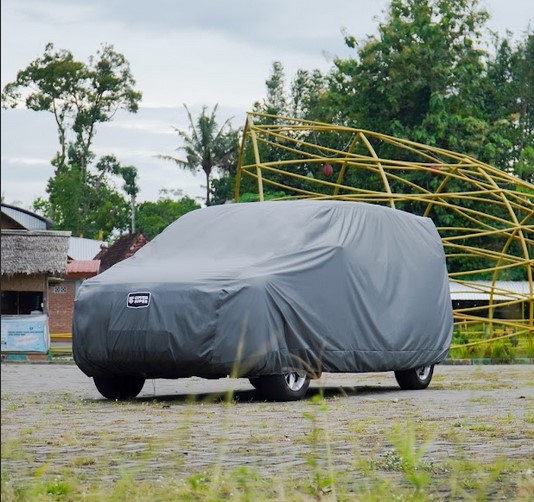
54	421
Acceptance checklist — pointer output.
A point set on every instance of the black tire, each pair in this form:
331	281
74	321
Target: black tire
415	378
255	382
288	387
119	387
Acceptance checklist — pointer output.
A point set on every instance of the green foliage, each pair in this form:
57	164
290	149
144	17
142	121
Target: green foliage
525	167
254	197
424	77
418	78
306	98
85	205
276	101
507	104
154	217
411	456
475	342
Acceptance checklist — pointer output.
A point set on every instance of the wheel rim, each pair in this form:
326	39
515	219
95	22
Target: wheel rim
423	372
294	381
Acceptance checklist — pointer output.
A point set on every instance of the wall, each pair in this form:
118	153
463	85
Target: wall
61	305
24	283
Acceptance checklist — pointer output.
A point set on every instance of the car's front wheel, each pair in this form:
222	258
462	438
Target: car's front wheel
289	387
119	387
415	378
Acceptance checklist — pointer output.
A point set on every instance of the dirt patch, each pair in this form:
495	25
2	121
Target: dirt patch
55	424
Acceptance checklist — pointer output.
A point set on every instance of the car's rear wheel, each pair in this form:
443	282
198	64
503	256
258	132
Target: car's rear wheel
119	387
415	378
289	387
255	382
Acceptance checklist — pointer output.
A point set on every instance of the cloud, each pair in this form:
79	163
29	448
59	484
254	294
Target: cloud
195	52
298	25
27	161
180	51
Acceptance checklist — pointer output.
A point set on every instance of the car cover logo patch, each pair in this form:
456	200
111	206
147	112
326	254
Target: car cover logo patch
138	300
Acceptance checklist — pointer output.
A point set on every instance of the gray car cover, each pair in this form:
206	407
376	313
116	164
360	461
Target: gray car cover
271	287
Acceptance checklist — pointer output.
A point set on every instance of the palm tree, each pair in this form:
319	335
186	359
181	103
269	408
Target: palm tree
206	146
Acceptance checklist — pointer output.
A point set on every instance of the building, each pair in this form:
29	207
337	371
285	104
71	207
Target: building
508	300
33	256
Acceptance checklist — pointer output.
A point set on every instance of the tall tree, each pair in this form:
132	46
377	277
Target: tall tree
275	103
304	98
207	146
80	96
309	97
109	165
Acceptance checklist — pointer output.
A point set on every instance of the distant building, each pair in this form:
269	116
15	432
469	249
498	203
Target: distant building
84	249
21	219
32	255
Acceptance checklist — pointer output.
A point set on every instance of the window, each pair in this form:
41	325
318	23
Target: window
21	302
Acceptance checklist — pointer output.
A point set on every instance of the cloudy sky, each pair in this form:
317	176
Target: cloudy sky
202	52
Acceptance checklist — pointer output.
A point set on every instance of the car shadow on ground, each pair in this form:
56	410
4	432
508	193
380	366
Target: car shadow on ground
255	396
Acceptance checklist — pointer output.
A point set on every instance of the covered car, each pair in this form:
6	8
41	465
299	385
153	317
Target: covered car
277	292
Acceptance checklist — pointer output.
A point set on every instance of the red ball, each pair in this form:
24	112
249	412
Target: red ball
328	170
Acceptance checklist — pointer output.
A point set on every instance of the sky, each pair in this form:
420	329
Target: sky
203	52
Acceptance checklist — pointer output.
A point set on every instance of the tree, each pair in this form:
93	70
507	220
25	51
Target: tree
525	76
107	210
423	77
507	103
207	146
420	77
109	165
80	96
306	97
154	217
426	77
275	102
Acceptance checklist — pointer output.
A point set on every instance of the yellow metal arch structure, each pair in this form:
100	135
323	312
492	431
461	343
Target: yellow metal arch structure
484	215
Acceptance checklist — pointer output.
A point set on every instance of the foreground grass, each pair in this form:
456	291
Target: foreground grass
402	472
370	444
244	484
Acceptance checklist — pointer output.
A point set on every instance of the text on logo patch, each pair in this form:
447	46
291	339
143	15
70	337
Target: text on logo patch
138	300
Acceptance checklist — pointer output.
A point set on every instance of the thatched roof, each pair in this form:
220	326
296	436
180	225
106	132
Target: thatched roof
34	252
